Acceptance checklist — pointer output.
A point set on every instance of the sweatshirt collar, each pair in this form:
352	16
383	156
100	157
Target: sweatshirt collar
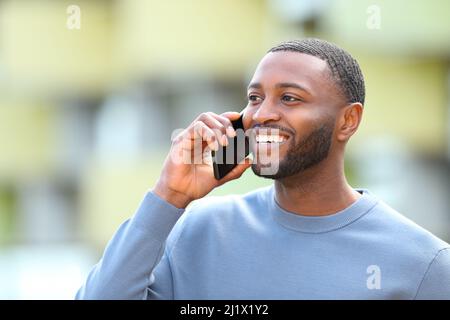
322	224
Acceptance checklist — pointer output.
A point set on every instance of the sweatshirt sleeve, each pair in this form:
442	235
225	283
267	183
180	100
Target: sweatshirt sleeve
436	282
125	270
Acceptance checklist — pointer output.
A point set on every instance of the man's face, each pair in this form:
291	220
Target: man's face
294	93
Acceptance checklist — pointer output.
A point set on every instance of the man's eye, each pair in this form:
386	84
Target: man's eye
289	99
254	98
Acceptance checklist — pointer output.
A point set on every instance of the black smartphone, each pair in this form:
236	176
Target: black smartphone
226	158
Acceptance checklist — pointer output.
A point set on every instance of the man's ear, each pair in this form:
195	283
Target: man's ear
350	118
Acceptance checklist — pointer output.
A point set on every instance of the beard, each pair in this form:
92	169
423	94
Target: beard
301	156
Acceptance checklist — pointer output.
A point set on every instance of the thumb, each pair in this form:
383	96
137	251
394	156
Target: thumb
237	171
232	115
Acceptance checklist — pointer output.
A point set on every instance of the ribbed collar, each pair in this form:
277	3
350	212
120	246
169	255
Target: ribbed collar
322	224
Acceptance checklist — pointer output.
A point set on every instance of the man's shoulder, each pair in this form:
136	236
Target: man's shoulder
213	213
405	233
228	204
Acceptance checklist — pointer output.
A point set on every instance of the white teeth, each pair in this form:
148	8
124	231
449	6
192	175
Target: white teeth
270	138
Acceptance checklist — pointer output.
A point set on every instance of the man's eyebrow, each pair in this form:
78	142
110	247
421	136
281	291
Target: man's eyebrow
291	85
254	85
257	85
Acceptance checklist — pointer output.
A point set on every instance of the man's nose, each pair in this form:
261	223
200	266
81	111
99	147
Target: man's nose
266	112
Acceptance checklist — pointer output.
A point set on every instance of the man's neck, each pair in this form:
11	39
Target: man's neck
318	191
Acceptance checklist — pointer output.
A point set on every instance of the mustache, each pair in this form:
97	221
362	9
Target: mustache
273	126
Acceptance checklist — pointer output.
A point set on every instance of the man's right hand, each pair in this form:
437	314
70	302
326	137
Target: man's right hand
187	173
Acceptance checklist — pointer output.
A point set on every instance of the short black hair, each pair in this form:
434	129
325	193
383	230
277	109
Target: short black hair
344	68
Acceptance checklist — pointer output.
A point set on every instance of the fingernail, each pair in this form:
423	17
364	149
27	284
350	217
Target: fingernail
224	140
231	132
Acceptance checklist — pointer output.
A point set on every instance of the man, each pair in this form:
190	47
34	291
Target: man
308	236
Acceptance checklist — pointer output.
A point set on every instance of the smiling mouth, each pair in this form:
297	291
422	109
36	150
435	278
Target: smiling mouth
270	139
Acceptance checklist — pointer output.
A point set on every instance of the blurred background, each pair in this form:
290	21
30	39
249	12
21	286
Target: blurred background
90	92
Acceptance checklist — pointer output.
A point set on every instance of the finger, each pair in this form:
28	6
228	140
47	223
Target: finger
189	146
232	115
226	121
207	157
201	132
197	155
200	156
217	126
213	121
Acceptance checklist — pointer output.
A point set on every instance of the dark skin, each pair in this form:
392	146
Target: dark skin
290	90
296	91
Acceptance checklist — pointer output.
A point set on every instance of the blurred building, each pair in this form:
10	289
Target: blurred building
86	114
